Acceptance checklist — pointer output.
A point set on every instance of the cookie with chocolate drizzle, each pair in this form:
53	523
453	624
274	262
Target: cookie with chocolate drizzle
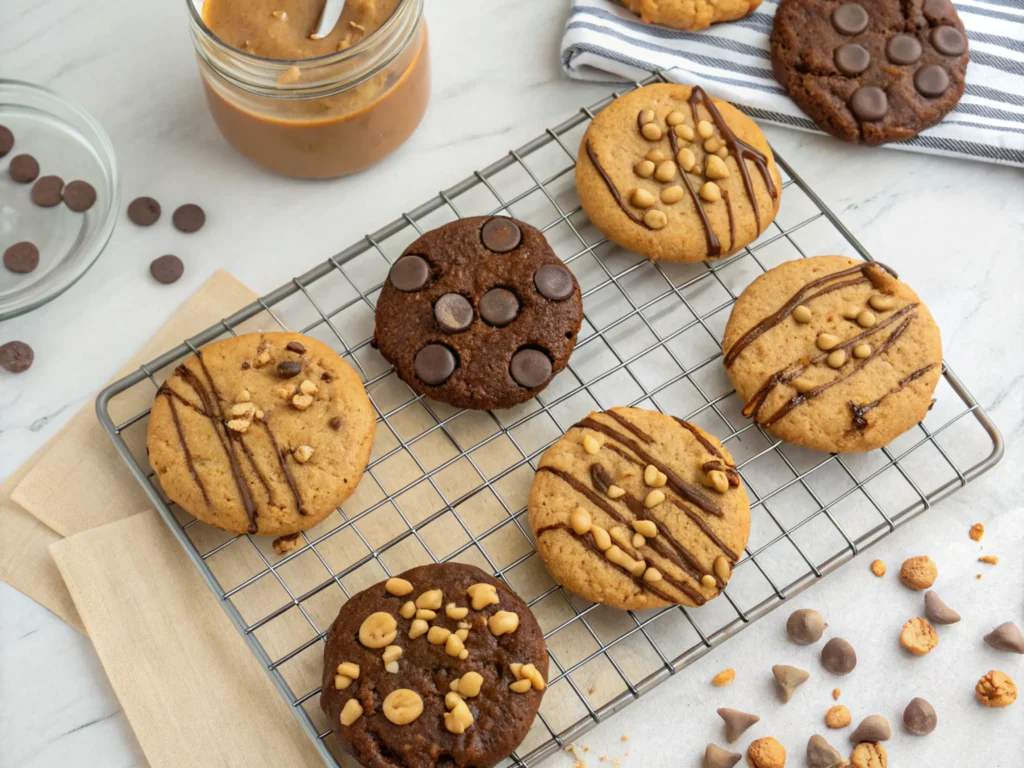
674	175
637	509
833	353
265	433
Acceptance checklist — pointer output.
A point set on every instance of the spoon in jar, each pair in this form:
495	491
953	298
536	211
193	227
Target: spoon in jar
328	19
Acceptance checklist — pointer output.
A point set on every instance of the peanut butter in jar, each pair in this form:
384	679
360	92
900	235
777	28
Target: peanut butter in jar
306	107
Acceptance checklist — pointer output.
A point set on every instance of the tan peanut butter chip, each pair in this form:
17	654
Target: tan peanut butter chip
996	689
869	754
871	728
787	680
736	722
878	568
352	711
821	754
766	752
937	611
838	717
397	587
482	595
716	757
919	572
402	706
835	694
378	630
919	636
724	677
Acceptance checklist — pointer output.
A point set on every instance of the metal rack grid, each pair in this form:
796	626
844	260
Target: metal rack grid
446	484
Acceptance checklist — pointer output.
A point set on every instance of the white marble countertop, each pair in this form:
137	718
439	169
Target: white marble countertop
954	229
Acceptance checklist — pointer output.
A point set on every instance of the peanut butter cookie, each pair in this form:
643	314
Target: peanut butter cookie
690	15
996	689
266	433
838	717
919	572
869	754
832	353
674	175
637	509
766	752
919	636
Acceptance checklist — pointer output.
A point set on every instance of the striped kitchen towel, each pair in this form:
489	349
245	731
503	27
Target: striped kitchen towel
604	41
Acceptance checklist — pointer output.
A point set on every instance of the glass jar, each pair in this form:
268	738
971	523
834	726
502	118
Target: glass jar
322	117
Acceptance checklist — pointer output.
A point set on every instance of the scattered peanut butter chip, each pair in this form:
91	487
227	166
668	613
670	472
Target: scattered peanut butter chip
724	677
990	559
919	717
787	680
1006	637
977	531
878	568
766	752
871	728
937	611
838	717
919	572
821	754
805	626
736	722
919	636
838	656
716	757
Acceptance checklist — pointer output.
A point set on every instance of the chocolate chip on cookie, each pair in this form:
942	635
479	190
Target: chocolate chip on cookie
1006	637
937	611
871	728
479	313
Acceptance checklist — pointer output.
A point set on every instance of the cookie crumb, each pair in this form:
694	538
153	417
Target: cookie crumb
625	737
919	572
878	568
766	752
977	531
838	717
724	677
996	689
575	752
919	636
990	559
285	544
835	694
978	577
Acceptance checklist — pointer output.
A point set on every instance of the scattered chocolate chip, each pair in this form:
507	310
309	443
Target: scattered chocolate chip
1006	637
716	757
851	59
948	41
21	257
294	346
336	422
599	477
553	282
501	235
189	218
326	376
871	728
6	140
246	366
499	307
805	626
931	81
869	103
919	717
821	754
286	369
530	368
409	273
16	356
736	722
453	313
787	680
903	49
144	211
937	611
23	168
849	19
167	269
838	656
46	192
434	364
79	196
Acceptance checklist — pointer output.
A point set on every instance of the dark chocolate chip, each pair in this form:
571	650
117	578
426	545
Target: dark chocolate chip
336	422
903	49
931	80
79	196
16	356
23	168
294	346
920	717
434	364
499	307
599	477
948	41
167	269
716	757
937	611
409	273
286	369
821	754
21	257
838	656
1006	637
871	728
501	235
246	366
530	368
326	376
453	313
144	211
6	140
869	103
805	626
189	218
47	191
736	722
850	19
852	59
553	282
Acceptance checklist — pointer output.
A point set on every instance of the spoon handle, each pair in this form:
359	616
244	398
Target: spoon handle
328	19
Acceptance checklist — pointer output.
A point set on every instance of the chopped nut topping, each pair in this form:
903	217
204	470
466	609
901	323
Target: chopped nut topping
239	425
580	521
590	445
417	628
437	635
302	402
303	454
348	669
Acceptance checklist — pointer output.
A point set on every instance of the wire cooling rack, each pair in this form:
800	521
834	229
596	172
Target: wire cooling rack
445	484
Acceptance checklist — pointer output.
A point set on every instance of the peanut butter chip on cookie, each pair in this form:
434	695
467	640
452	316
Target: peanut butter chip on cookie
716	757
766	752
869	755
919	636
919	572
838	717
996	689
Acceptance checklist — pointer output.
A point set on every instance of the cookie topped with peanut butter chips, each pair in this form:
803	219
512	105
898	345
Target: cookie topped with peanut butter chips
637	509
833	353
440	665
266	433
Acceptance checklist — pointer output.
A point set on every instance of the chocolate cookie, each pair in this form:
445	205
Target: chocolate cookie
833	353
690	15
674	175
440	666
479	313
265	433
637	509
871	71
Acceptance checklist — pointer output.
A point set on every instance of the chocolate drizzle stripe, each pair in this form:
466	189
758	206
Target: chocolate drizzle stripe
860	411
170	395
284	466
776	317
714	246
732	223
255	468
612	188
706	530
630	426
708	445
592	497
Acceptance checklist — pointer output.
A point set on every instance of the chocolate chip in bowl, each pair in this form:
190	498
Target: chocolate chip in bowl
23	169
21	257
47	190
6	140
79	196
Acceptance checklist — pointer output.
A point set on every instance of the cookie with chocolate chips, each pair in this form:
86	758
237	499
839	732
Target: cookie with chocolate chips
871	71
637	509
439	666
479	313
265	433
833	353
